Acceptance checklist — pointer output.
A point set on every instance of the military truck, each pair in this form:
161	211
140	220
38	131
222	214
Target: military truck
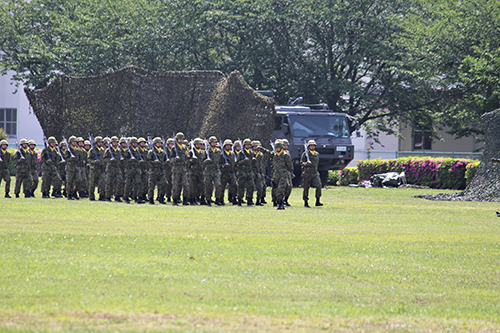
331	131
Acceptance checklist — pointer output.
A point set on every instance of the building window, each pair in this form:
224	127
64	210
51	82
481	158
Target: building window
422	141
8	121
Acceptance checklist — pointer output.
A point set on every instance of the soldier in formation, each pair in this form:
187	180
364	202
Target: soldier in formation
131	169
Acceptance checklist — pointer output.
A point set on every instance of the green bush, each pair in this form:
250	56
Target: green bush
348	176
333	178
470	171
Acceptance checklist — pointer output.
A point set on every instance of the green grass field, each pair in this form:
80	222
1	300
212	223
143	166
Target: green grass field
372	260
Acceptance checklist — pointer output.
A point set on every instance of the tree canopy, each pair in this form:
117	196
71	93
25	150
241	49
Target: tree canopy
381	61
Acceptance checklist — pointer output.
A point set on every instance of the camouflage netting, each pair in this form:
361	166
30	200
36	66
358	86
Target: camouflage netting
486	183
237	110
135	101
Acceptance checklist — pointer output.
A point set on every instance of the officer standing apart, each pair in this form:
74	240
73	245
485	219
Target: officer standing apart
310	175
4	166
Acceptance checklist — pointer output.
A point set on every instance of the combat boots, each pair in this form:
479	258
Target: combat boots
285	202
318	203
240	202
250	202
202	200
281	206
306	204
126	200
263	201
118	199
185	201
45	195
259	202
7	196
152	201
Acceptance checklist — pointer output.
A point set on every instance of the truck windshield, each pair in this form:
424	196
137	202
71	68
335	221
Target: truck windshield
304	126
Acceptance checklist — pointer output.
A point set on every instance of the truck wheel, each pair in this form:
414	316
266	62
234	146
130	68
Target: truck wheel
323	176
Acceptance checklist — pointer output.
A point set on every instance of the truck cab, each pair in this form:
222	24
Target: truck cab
331	131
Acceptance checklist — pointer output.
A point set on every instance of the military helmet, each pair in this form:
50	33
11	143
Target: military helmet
72	139
156	140
122	140
186	142
180	135
212	139
51	139
134	140
237	143
278	144
255	143
86	143
285	142
114	138
61	144
106	139
170	140
32	142
3	142
311	142
228	142
79	139
23	141
247	142
98	139
197	141
141	139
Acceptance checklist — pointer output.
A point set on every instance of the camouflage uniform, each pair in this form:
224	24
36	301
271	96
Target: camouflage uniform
259	171
97	171
4	167
195	174
245	174
73	171
82	185
114	176
211	172
144	170
132	160
179	172
310	174
282	166
228	176
33	167
156	174
61	167
288	189
50	173
23	175
168	170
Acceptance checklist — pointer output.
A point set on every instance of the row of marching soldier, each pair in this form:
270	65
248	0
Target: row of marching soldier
188	173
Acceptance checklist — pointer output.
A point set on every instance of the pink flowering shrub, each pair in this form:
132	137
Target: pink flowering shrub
444	173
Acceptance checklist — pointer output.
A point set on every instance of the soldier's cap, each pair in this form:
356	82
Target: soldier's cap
197	141
114	139
98	139
72	139
86	142
3	142
237	143
170	140
255	143
247	142
180	135
311	142
212	139
23	141
123	140
51	139
285	142
278	143
156	140
32	142
228	142
134	140
79	139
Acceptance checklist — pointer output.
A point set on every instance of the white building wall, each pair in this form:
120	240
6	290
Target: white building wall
387	147
28	126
